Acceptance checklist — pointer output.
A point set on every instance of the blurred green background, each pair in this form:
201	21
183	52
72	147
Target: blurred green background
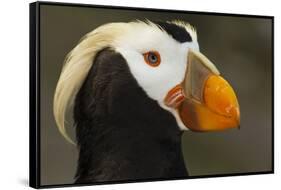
241	48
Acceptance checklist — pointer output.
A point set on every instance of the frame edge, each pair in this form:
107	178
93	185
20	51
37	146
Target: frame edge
34	162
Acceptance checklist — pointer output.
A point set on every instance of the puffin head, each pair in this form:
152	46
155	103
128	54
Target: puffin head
165	60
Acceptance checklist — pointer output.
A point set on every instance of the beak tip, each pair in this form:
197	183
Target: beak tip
236	115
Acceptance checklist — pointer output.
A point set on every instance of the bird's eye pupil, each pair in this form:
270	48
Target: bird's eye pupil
152	58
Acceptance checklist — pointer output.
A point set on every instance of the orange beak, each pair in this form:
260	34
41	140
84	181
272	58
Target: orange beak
204	100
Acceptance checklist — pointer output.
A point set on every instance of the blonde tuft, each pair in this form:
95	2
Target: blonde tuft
76	67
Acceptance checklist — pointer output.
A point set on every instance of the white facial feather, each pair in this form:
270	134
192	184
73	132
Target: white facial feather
155	81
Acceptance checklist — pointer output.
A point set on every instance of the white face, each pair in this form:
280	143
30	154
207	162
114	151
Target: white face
158	80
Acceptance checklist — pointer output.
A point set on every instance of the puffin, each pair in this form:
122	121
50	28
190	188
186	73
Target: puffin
133	89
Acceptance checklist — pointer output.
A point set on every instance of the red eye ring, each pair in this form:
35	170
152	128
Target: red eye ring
152	58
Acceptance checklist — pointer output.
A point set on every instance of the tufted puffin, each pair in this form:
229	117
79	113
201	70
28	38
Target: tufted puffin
133	89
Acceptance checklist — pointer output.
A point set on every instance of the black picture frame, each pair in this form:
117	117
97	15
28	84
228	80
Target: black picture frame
34	94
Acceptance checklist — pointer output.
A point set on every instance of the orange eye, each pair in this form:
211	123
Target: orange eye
152	58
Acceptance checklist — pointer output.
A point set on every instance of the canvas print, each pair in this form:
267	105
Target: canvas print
128	95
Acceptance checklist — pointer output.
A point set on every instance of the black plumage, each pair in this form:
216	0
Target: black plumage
177	32
122	134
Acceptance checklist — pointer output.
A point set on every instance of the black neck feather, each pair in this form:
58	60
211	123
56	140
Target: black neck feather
123	134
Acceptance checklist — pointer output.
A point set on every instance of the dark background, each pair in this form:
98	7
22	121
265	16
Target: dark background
239	46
